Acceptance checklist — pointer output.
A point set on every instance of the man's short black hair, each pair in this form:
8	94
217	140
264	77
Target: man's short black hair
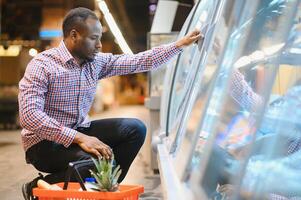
76	16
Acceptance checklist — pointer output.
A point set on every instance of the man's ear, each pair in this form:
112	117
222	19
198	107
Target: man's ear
73	34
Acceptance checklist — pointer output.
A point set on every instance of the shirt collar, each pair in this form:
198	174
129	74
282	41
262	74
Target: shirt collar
65	54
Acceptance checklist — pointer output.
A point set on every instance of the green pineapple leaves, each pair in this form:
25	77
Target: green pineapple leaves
106	174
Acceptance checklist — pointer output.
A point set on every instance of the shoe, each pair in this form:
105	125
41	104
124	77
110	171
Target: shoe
27	191
27	188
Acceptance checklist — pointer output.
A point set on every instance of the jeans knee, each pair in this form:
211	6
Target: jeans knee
140	130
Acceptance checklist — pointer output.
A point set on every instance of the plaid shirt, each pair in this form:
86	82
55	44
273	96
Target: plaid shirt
242	93
56	93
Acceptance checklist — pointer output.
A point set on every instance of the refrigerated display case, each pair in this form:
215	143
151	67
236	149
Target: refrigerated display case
247	143
155	83
158	90
188	69
179	76
194	108
239	131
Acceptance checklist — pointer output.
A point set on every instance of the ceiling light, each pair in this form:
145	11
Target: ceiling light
113	27
245	60
32	52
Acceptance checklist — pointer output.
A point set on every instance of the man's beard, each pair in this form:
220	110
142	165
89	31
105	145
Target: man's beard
90	59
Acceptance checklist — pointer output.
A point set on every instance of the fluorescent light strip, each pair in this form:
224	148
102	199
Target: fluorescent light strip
258	55
113	27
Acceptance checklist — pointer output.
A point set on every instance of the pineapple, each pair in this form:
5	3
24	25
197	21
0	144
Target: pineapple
106	174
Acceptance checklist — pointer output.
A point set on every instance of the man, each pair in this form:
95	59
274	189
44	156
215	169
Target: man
57	91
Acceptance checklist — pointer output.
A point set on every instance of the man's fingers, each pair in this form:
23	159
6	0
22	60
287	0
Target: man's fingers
94	146
197	37
196	33
95	152
200	35
109	152
104	152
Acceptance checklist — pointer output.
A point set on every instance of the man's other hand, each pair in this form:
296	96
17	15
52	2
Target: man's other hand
189	38
93	145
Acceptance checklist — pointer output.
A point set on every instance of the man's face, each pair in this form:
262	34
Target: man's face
88	42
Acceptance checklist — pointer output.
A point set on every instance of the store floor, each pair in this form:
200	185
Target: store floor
14	171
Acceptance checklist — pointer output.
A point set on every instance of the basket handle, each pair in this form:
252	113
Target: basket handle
74	167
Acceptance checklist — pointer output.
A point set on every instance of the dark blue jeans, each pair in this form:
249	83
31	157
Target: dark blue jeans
124	135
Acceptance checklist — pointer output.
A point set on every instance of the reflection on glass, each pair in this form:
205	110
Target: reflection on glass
207	66
252	116
168	78
185	71
276	155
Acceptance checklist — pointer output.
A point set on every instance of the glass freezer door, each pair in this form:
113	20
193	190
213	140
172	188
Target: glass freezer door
245	88
177	88
206	65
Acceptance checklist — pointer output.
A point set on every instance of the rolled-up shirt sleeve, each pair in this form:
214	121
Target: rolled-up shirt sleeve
33	88
141	62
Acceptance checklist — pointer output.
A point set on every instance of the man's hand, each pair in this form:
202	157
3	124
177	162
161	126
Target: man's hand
93	145
189	39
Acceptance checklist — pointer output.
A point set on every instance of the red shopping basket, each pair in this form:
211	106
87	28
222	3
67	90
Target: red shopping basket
126	192
71	190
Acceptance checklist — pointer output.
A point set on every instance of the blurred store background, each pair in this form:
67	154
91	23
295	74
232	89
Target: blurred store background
31	26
